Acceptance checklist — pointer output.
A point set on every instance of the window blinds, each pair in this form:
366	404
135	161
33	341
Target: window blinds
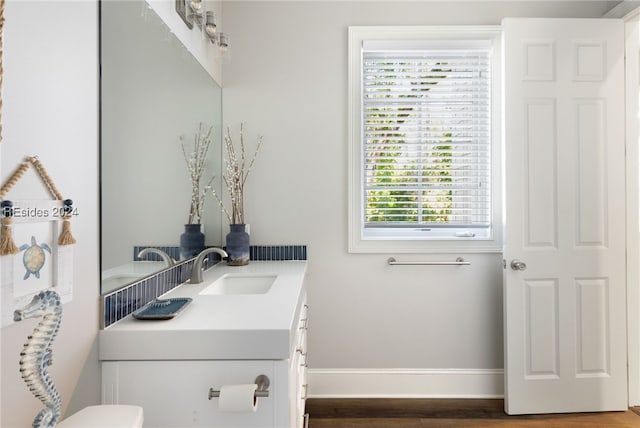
426	138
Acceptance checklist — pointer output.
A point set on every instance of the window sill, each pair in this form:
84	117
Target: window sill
380	246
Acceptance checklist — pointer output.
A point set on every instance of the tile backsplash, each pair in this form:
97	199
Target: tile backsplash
278	252
120	303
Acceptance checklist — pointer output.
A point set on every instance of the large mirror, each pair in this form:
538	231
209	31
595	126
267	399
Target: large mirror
152	93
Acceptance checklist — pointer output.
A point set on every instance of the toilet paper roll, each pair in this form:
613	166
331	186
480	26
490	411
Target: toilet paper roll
238	398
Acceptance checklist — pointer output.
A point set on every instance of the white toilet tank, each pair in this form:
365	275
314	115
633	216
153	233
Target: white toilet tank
105	416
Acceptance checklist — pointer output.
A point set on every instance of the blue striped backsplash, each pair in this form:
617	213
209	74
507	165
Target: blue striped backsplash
120	303
277	252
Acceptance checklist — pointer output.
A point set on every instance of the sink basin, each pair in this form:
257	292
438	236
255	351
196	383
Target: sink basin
240	284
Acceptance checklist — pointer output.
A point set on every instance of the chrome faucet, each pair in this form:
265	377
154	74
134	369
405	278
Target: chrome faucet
196	269
165	257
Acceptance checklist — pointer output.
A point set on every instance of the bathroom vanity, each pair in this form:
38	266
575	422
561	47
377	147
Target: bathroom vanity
242	322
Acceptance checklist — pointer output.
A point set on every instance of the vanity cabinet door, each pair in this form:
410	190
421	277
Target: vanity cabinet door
301	379
299	369
175	393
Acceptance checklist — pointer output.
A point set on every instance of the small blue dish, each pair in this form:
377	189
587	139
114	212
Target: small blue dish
162	309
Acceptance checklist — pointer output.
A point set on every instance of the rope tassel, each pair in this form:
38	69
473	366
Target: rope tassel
66	238
7	246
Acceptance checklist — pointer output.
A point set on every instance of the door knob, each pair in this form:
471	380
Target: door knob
518	265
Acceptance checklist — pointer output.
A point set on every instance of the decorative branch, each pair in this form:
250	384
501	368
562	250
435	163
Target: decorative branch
234	176
196	162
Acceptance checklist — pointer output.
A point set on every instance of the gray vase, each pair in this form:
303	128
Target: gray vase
237	245
191	241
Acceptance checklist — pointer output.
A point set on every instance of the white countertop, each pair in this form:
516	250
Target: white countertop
256	326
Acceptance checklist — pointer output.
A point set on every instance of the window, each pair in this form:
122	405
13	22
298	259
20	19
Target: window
423	140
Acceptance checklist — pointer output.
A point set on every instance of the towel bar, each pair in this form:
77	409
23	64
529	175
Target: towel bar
458	262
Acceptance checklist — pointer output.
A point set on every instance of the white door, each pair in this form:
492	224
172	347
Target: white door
565	328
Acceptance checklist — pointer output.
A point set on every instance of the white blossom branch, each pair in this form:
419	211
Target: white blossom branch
234	176
196	163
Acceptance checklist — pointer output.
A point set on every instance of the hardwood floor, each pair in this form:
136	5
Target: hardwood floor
422	413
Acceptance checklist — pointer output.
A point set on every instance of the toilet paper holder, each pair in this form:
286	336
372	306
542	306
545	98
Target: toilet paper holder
262	381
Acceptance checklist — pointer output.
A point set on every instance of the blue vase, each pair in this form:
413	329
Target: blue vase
238	245
191	241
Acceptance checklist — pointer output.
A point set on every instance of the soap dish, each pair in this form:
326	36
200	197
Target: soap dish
162	309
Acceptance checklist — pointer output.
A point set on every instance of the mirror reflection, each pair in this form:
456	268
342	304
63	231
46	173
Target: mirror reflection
153	92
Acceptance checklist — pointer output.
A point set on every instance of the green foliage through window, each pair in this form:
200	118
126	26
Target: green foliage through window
426	138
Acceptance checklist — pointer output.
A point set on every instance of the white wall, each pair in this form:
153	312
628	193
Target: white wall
629	10
50	108
632	48
287	80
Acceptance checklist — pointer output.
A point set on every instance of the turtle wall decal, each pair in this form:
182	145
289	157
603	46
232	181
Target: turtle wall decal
34	257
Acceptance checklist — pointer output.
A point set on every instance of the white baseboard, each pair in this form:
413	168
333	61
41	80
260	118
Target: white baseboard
405	383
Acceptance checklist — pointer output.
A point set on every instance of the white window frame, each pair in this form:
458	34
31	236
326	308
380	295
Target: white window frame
419	240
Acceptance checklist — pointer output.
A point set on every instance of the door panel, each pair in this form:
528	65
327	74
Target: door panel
565	328
540	145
